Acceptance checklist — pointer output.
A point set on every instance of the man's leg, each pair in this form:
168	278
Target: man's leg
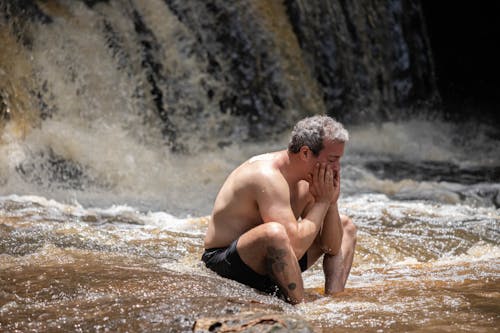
267	250
337	267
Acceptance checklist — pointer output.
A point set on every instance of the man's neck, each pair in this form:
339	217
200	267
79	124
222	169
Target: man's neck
289	165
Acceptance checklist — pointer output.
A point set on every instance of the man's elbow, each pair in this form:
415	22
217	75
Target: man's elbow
332	250
349	231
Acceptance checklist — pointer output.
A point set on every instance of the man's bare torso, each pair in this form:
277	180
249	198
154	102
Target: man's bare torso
236	210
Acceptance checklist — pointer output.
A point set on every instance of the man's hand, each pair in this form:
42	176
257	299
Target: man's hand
322	184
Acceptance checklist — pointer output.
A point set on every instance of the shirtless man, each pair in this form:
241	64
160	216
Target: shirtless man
277	213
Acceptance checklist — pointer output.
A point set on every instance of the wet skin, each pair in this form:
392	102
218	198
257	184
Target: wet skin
260	205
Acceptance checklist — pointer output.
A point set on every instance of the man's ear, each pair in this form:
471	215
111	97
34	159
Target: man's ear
305	153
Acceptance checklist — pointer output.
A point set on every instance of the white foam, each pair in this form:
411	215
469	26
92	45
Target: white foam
426	141
480	251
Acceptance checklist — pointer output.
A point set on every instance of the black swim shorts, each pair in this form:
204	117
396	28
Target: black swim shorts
227	263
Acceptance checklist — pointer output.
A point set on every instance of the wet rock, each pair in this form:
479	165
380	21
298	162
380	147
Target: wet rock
47	168
373	57
497	200
92	3
433	171
228	70
252	322
4	110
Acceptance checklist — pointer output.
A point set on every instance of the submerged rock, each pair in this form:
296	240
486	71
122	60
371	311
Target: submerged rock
252	322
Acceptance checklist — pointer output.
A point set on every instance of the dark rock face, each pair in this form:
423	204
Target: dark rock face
211	72
433	171
466	58
370	58
242	54
50	170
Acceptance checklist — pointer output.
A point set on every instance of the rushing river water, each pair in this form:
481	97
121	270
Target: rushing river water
119	121
428	256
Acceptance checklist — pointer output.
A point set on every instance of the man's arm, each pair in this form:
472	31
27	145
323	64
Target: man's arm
331	232
274	206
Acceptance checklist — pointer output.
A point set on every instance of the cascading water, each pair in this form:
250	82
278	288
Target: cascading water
119	120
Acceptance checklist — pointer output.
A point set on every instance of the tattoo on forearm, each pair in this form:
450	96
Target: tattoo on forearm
275	262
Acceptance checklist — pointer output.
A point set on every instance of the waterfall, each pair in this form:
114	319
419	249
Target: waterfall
211	72
132	97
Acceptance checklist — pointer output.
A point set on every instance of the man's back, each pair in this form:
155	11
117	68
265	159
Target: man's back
236	210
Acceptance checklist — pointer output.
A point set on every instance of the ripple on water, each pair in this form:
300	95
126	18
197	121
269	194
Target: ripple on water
418	265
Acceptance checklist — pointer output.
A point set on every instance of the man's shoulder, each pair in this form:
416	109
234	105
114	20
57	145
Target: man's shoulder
267	157
261	166
260	170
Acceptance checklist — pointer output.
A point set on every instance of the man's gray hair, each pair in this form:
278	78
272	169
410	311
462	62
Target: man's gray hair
312	130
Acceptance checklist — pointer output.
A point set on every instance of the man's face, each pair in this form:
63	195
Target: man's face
331	154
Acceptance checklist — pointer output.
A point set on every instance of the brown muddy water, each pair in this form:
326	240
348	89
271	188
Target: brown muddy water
119	121
419	267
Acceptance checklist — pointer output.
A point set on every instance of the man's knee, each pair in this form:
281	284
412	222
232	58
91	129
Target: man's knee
349	227
275	233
